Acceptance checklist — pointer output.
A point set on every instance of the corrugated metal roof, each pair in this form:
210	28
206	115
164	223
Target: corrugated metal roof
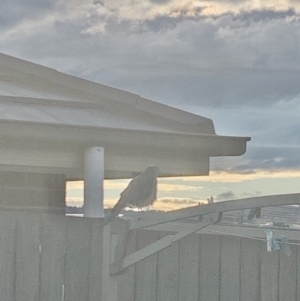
62	115
22	79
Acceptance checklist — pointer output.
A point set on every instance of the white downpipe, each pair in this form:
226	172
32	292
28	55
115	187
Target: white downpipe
93	182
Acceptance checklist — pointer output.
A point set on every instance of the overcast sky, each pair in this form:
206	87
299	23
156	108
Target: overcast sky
237	62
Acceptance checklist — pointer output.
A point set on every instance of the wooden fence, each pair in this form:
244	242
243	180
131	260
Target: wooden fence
47	257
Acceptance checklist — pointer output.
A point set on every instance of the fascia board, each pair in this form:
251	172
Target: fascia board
212	145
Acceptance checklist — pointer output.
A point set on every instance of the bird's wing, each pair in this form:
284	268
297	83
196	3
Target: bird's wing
139	190
128	197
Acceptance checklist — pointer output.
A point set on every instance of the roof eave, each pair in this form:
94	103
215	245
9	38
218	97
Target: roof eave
212	145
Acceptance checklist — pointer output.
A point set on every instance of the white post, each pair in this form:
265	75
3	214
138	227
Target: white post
93	182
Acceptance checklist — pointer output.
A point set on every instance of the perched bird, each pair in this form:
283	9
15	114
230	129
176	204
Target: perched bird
140	192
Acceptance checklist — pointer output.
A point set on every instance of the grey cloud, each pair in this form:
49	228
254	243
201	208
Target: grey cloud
263	15
174	60
268	158
191	61
14	11
160	1
213	88
251	194
228	195
181	201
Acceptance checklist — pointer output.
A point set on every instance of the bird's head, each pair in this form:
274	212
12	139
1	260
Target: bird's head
154	170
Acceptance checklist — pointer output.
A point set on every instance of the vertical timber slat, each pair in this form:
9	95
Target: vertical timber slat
298	272
230	268
167	273
287	275
8	252
52	256
27	257
189	267
146	270
269	274
250	269
126	281
209	267
77	259
109	281
95	277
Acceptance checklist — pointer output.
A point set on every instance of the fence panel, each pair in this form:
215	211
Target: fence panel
250	269
288	275
189	267
209	269
77	272
298	272
230	268
28	257
126	281
48	257
53	248
8	233
146	270
95	276
269	275
167	273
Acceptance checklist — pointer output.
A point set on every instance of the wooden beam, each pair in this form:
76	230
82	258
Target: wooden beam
249	232
248	203
167	241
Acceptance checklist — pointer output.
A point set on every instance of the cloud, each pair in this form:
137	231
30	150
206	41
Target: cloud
164	203
233	176
230	195
271	158
74	201
14	12
108	184
167	204
160	1
250	56
170	188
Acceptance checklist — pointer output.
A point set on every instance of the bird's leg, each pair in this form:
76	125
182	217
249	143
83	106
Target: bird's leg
140	212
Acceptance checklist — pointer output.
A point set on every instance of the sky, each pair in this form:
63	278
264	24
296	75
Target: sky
236	62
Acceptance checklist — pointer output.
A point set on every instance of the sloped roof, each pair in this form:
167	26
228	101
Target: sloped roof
48	118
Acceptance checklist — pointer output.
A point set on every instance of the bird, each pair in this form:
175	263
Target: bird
140	192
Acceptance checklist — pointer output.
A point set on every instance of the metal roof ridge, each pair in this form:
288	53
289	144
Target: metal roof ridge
49	101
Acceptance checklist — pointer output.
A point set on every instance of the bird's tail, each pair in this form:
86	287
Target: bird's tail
113	213
109	218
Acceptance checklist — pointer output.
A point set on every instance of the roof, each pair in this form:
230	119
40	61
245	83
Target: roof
48	118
